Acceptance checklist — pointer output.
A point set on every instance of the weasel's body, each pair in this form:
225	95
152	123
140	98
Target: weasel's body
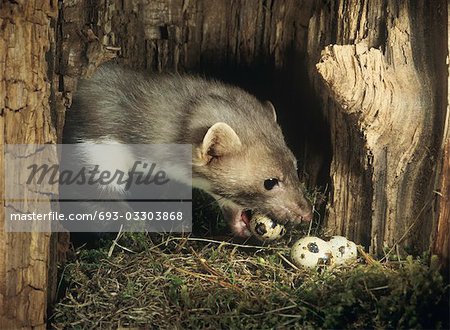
239	153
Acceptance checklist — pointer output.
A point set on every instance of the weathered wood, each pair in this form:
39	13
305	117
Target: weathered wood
25	41
381	89
382	93
441	244
184	35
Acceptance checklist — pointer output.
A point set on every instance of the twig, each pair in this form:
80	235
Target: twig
205	265
226	243
287	261
115	243
367	257
210	278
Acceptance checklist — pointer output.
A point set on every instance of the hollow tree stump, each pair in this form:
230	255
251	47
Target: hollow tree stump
378	67
383	93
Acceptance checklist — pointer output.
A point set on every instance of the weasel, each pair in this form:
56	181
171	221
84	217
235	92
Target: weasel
239	154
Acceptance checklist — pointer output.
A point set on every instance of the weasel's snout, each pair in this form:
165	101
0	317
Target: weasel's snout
292	213
298	213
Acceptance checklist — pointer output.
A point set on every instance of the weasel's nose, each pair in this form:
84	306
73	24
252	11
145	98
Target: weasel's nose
297	215
303	213
306	210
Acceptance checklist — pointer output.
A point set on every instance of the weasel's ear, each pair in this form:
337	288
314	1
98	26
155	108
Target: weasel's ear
271	108
219	140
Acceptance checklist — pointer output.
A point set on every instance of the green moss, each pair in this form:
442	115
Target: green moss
203	285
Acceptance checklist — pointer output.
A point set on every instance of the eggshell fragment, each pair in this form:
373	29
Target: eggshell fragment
311	252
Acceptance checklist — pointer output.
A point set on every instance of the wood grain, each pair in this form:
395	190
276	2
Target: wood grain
382	93
25	41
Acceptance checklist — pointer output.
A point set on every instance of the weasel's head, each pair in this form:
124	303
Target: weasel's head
250	175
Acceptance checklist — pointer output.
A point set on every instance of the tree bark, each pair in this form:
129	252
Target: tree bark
383	94
26	39
441	244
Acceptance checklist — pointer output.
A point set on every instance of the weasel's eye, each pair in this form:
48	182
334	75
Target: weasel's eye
270	183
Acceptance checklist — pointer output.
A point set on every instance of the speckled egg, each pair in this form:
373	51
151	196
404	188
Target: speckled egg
343	250
265	229
311	252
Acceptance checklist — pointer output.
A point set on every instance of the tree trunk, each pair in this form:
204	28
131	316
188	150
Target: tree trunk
383	92
26	40
442	238
441	242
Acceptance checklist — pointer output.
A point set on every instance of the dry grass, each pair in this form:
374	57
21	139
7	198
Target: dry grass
177	283
169	282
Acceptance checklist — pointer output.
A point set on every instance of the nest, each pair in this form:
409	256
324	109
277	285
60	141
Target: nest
186	282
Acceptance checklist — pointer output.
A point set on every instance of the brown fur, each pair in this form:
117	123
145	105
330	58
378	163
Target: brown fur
237	143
